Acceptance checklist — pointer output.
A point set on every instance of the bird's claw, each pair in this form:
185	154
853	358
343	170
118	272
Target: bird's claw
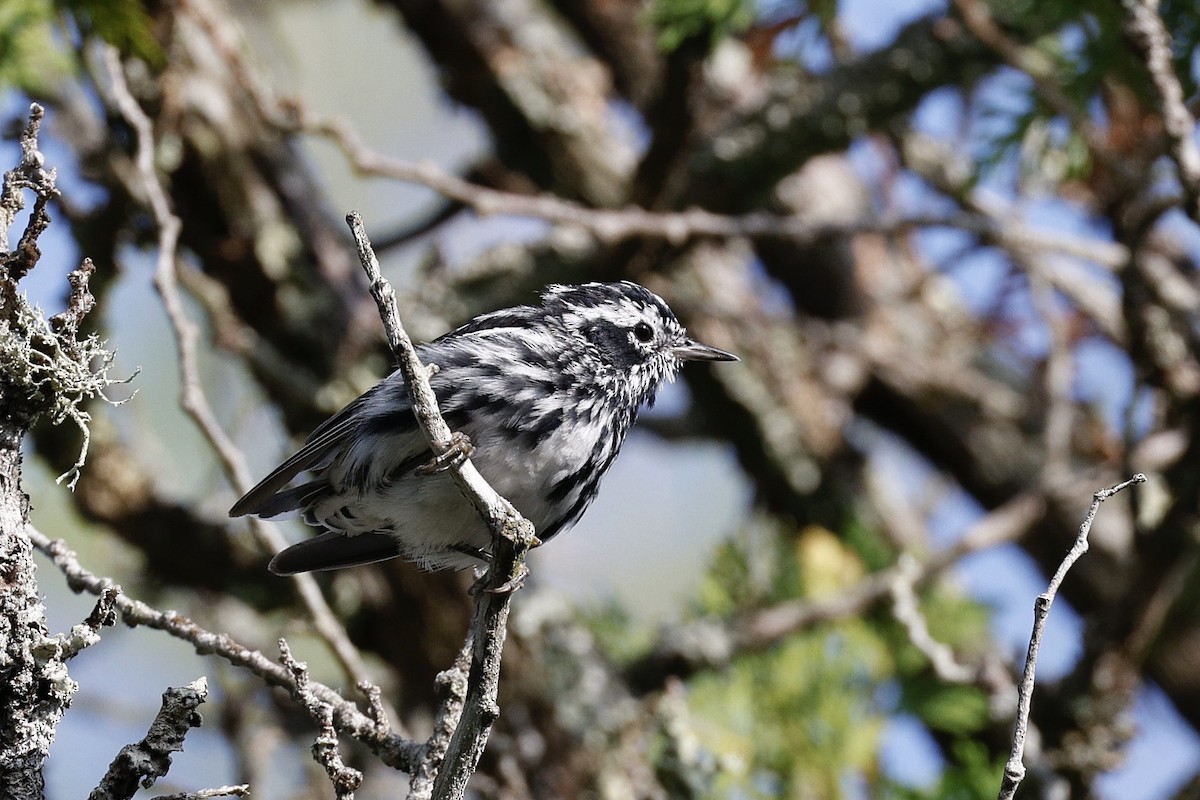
508	587
459	451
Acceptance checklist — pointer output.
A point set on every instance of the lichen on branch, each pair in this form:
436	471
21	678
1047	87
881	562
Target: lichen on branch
46	368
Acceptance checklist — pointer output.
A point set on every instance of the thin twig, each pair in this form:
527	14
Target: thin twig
393	750
240	790
1151	37
492	507
345	780
512	536
192	397
30	174
907	610
1014	770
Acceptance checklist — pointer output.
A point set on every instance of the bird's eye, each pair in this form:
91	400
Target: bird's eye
643	332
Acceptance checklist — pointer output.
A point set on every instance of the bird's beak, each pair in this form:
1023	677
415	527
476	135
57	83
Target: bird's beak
692	350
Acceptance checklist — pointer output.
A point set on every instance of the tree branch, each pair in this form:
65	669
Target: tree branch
512	536
1152	39
712	644
192	396
609	225
345	780
148	760
392	749
1014	770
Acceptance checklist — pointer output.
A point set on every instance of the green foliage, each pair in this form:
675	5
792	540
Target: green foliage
32	55
616	634
870	545
797	720
29	57
1050	151
1080	49
949	708
124	24
969	776
962	624
679	20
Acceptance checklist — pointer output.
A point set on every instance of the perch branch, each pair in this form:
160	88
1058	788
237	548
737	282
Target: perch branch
512	536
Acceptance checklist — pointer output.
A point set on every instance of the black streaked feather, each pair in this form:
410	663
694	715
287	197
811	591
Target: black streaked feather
543	391
291	499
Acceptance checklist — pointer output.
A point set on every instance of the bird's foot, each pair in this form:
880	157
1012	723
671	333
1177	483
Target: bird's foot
508	587
459	451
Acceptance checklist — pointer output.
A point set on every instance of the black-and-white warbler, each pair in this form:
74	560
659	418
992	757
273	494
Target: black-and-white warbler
545	393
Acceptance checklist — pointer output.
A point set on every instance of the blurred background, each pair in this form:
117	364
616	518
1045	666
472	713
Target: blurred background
955	257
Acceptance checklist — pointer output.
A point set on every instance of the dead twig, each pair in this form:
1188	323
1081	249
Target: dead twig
148	760
345	780
393	749
1014	770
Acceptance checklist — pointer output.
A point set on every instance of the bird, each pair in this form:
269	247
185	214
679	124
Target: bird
546	394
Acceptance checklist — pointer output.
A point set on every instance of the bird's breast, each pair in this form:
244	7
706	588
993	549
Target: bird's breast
543	466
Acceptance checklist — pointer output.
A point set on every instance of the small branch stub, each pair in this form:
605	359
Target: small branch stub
148	760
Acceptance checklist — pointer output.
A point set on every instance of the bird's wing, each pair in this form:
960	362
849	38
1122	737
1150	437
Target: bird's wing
326	438
383	409
334	550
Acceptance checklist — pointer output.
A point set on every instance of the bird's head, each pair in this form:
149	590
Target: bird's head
630	334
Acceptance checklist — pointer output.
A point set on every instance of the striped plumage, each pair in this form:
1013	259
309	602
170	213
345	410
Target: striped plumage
545	393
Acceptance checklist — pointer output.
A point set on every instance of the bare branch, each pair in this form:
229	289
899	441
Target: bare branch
1014	770
713	643
1151	37
345	780
148	760
392	749
28	174
87	633
907	611
451	686
608	225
